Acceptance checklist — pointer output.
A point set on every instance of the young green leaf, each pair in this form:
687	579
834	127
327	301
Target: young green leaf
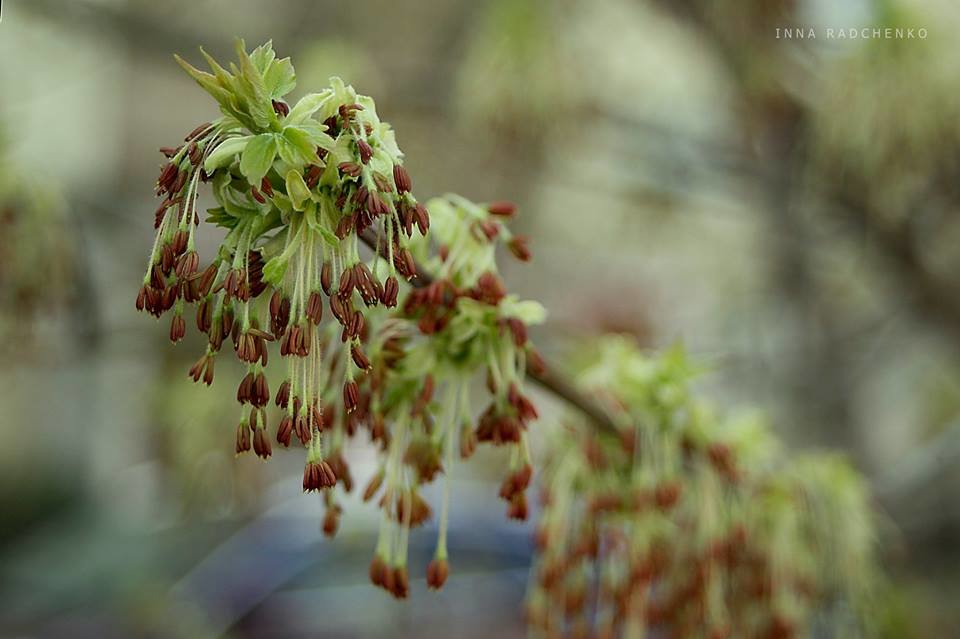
280	79
307	106
297	189
296	147
209	83
258	157
225	152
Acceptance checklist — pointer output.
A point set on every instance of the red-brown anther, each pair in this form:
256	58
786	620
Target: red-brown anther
245	389
426	393
342	470
246	349
437	571
169	297
179	242
526	410
468	441
351	396
255	192
203	368
489	289
169	151
231	282
356	325
281	108
243	438
157	279
313	175
167	177
179	183
344	226
206	280
314	307
266	187
285	431
317	421
520	248
503	209
517	482
261	391
422	218
391	289
535	362
376	205
490	229
667	494
178	328
350	168
283	394
373	486
261	443
188	264
410	266
402	179
326	276
519	330
722	459
190	288
194	154
275	301
360	197
331	521
197	131
339	310
301	426
384	185
401	582
388	579
142	297
359	357
405	213
518	507
167	259
346	283
378	569
318	475
365	150
419	509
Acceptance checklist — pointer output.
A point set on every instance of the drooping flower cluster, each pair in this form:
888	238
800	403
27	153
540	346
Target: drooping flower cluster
689	526
298	189
459	325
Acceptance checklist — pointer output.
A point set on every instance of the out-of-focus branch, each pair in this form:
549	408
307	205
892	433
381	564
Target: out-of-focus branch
548	379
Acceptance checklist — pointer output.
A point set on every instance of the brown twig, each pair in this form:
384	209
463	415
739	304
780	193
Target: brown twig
548	379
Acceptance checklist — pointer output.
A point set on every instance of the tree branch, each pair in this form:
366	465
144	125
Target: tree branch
549	380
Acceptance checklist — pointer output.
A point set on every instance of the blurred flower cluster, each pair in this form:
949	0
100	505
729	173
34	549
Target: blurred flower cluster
692	524
38	254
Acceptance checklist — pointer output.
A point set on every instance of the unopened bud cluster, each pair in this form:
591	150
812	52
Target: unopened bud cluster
366	343
690	526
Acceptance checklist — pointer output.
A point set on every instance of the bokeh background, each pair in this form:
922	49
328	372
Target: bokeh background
787	208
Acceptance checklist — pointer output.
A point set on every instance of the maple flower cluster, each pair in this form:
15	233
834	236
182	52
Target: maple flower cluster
690	525
367	343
